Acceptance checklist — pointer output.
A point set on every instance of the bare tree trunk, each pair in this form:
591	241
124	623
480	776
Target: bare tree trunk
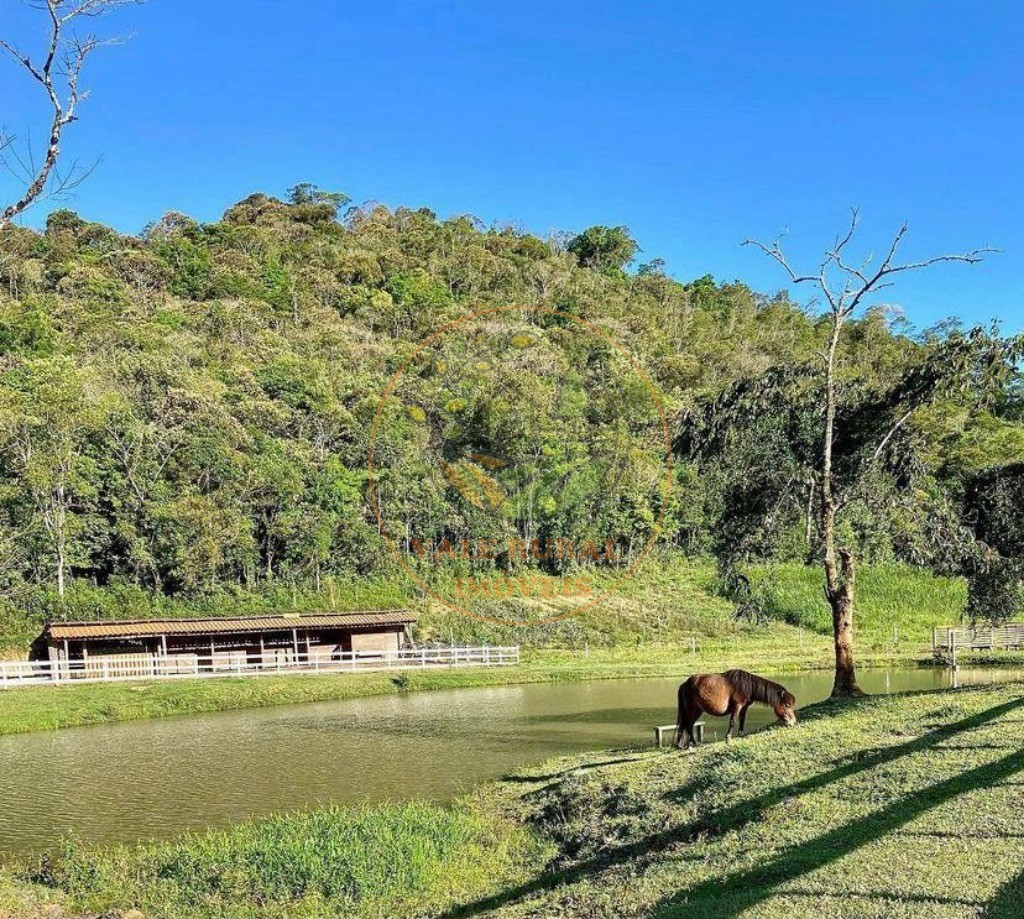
809	518
839	590
60	570
839	574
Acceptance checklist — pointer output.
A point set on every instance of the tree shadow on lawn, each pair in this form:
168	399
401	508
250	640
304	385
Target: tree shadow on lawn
794	861
738	892
1006	904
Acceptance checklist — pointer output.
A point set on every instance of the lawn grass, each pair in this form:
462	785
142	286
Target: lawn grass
905	806
890	806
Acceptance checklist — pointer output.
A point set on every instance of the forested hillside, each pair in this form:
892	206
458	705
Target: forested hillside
185	414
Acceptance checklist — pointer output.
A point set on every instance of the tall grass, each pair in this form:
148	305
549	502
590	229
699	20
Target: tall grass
891	600
668	599
410	859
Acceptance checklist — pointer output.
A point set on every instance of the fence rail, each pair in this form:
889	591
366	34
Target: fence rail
986	638
149	667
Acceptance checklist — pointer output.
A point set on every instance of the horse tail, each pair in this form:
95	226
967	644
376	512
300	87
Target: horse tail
681	713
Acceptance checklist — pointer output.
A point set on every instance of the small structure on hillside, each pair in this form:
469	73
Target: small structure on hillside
214	643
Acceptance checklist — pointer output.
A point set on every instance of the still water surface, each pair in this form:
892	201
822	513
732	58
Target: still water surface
154	779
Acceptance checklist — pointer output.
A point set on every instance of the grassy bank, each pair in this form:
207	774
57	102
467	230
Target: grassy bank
888	806
651	627
671	598
883	807
409	859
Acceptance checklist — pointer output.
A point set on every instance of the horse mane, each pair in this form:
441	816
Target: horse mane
754	687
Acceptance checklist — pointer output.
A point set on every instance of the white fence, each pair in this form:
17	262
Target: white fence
986	638
157	667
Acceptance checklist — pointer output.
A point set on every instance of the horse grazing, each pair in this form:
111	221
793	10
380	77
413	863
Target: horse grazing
730	693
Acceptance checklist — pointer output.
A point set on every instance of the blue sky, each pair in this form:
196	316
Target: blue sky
694	126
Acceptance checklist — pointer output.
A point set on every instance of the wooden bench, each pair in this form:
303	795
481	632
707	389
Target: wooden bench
660	730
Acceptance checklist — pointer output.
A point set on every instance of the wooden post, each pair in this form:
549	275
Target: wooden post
295	643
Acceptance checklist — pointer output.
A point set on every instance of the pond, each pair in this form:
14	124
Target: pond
155	779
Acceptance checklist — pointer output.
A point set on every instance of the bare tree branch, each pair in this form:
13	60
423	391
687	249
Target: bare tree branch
858	282
58	72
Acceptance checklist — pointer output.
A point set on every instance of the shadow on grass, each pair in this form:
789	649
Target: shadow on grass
794	861
731	896
1007	903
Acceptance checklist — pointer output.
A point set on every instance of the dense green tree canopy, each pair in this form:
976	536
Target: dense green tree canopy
189	410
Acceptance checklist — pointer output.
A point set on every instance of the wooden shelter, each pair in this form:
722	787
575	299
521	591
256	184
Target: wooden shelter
288	638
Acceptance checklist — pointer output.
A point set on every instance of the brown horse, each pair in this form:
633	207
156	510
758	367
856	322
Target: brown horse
730	693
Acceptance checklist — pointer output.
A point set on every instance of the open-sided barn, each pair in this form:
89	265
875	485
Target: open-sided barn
213	642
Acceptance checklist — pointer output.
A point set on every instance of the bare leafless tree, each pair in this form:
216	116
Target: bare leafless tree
844	287
57	71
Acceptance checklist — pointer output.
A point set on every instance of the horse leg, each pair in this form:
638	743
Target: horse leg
732	720
743	718
693	712
689	712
